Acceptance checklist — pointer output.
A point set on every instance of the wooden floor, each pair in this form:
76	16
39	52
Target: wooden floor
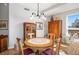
9	52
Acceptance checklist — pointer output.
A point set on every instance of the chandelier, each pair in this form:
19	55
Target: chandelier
40	16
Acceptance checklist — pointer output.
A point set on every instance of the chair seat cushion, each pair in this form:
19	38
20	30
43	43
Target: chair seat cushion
49	52
28	51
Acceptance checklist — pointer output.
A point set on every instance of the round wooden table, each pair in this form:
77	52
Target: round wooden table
38	43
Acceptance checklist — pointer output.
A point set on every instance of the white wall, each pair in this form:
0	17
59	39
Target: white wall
40	33
17	16
4	32
63	16
16	20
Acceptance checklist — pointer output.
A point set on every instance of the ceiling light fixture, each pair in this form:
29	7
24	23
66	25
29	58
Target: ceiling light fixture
40	16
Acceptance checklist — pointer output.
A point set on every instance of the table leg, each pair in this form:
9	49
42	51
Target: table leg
37	52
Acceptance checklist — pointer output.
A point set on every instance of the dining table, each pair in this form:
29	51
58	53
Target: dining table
38	43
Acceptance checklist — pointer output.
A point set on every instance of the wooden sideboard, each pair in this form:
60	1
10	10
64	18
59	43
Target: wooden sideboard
3	42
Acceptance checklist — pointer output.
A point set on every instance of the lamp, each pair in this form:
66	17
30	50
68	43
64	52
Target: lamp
40	16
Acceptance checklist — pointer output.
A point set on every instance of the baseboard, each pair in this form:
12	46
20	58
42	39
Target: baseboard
10	47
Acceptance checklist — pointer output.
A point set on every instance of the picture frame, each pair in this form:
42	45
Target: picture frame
39	25
3	24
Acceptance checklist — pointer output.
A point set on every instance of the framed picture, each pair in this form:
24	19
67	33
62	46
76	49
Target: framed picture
3	24
39	25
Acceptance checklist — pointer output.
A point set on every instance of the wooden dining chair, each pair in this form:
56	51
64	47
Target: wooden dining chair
58	43
23	51
31	35
50	35
55	47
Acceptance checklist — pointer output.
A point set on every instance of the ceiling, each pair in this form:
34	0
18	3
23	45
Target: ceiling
51	8
17	9
33	6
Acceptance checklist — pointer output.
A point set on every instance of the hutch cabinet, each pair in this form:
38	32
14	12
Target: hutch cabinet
29	28
55	27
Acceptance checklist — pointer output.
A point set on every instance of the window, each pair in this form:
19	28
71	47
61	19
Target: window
73	23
